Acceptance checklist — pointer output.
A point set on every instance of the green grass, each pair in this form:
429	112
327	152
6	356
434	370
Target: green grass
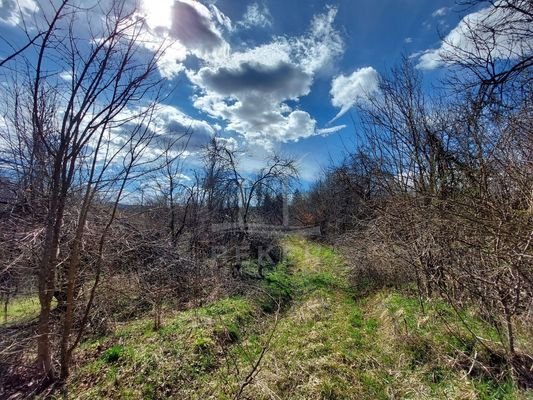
327	343
20	309
424	350
113	354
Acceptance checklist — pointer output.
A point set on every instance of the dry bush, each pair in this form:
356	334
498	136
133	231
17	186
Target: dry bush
373	263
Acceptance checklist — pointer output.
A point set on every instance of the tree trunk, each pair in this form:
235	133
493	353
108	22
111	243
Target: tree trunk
69	311
47	276
44	356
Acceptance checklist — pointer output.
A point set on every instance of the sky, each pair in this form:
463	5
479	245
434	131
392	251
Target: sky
279	76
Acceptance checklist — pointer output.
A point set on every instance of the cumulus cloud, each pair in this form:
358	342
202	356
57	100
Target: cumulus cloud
182	27
185	27
91	23
501	42
280	81
229	143
171	123
157	14
346	91
249	90
170	63
256	15
261	120
193	25
12	11
253	92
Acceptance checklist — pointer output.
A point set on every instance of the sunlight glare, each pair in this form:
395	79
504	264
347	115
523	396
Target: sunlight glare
158	12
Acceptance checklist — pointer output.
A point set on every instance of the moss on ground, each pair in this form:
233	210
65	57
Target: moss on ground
326	343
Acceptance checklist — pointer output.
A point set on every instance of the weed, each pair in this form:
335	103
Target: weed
113	354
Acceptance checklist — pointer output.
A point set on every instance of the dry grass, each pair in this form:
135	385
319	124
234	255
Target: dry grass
327	344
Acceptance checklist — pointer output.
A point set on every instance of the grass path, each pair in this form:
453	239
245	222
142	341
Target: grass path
325	343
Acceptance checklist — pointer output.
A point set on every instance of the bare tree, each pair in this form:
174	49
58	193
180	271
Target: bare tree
496	52
76	130
451	205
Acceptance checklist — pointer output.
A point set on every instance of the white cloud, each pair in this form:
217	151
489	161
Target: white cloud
505	43
430	59
253	92
222	19
346	91
184	27
333	129
321	46
66	75
229	143
170	122
441	12
158	31
12	11
270	54
158	13
260	119
181	27
170	63
256	15
408	40
249	90
195	27
281	81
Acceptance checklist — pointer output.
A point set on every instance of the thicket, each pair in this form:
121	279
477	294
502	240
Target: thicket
97	218
439	190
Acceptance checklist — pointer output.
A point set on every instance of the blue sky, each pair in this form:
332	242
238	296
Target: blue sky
280	75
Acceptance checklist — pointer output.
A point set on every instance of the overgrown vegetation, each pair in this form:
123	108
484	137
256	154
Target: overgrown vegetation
327	343
438	190
122	277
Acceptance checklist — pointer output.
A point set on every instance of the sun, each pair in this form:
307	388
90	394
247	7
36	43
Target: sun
158	13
